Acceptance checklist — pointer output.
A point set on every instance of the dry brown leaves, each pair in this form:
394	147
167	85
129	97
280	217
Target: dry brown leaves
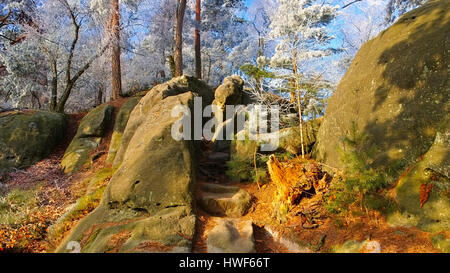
425	190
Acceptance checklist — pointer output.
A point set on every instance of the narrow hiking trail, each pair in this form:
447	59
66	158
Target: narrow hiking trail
246	235
270	236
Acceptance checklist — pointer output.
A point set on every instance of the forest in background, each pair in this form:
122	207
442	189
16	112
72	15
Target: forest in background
70	55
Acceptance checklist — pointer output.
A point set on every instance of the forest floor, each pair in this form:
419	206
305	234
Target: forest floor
34	198
44	193
272	236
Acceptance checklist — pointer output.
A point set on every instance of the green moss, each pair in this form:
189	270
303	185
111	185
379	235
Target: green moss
434	168
26	138
440	242
16	205
348	247
89	135
86	203
120	125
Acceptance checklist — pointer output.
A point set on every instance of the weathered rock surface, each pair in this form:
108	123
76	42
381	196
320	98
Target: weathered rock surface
230	92
288	141
148	205
160	92
221	200
27	137
433	168
119	126
88	137
401	106
231	236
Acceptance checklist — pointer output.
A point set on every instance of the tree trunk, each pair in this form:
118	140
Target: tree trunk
54	95
172	65
300	114
181	9
115	58
198	54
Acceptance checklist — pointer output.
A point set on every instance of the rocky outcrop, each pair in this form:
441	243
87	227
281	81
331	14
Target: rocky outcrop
288	140
27	137
230	92
401	102
433	169
400	107
88	137
231	236
158	93
119	126
221	200
149	203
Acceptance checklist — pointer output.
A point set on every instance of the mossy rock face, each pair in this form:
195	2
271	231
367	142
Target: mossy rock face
396	91
27	137
149	200
88	137
440	242
158	93
433	169
120	125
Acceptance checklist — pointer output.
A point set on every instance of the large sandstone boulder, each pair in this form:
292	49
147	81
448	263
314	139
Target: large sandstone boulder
289	140
230	92
27	137
158	93
119	126
434	169
88	137
149	203
396	92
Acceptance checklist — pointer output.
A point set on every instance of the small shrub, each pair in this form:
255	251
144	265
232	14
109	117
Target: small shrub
359	183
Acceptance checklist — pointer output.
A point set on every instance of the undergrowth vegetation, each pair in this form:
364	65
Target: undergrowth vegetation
84	205
248	165
360	184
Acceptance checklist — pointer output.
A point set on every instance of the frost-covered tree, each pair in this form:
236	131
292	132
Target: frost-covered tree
222	30
299	26
396	8
60	46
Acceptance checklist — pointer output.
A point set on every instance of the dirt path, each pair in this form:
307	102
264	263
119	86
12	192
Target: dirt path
213	171
334	231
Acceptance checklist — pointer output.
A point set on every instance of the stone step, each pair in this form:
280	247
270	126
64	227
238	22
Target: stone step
231	236
219	200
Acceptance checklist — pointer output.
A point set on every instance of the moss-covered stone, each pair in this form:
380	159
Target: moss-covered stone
27	137
150	196
401	107
289	140
348	247
434	168
174	87
396	91
88	137
120	125
440	242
